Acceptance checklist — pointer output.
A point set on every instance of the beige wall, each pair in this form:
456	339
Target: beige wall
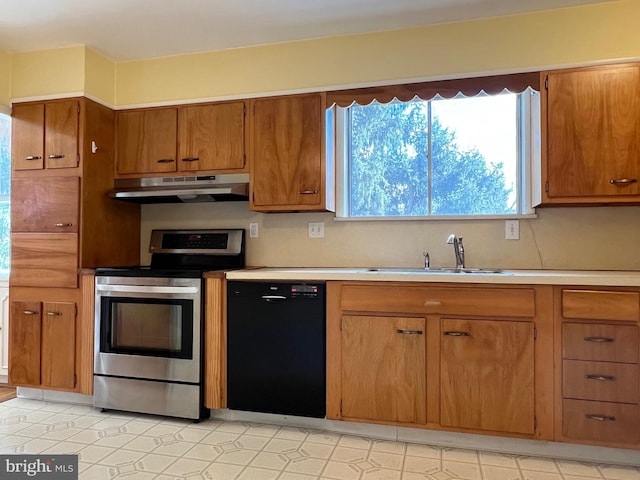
582	238
587	34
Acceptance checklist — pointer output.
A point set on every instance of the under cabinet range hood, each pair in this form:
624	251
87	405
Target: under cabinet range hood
188	189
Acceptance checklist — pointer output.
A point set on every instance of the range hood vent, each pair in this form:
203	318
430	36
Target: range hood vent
191	189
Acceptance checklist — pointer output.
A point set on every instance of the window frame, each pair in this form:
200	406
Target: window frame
527	171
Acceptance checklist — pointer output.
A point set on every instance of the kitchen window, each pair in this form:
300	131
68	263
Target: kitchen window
5	192
465	156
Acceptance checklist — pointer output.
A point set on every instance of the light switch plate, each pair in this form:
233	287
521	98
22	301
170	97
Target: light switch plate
512	229
253	230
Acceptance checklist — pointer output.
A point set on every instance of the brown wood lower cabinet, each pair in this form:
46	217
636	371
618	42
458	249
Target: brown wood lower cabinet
457	357
43	344
598	382
487	375
383	368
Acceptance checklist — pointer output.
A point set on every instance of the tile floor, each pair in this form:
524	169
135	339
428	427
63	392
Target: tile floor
129	447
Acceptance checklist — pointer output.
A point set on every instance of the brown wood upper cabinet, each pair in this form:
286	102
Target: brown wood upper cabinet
45	135
288	164
592	118
191	138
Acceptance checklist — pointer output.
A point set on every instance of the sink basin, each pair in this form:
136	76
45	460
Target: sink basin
443	270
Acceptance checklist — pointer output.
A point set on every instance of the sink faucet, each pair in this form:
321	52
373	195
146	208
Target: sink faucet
458	249
427	260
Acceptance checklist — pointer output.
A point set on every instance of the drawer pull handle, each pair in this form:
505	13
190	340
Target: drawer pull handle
61	225
409	332
454	333
191	159
432	303
622	181
273	298
601	418
601	378
55	156
53	314
30	312
308	192
33	157
598	339
165	160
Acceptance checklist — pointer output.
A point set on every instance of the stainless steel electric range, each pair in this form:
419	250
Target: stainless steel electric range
149	324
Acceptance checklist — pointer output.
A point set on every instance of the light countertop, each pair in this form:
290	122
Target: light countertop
530	277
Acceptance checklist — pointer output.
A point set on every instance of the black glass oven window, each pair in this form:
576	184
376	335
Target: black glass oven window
152	327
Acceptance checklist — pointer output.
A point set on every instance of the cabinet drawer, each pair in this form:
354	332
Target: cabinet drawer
477	301
601	305
44	260
605	343
45	204
603	381
601	421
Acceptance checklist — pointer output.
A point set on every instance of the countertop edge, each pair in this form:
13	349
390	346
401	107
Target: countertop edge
527	277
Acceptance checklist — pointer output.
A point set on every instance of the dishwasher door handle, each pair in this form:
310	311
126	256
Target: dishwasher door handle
273	298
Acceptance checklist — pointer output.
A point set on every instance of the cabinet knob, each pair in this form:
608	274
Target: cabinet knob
55	156
623	181
33	157
61	225
53	314
601	418
598	339
454	333
601	378
409	332
165	160
30	312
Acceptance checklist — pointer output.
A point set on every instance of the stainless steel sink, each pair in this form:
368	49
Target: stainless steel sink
436	271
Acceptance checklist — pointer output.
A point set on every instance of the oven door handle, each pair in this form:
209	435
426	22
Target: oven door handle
146	289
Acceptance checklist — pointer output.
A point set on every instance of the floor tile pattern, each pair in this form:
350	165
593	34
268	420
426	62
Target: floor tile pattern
121	446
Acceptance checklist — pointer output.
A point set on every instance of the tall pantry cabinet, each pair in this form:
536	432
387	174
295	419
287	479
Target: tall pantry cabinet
61	222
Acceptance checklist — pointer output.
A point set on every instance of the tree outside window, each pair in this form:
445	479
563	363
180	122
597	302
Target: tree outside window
5	192
443	157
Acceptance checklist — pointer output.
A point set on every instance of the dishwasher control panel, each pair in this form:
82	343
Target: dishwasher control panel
304	290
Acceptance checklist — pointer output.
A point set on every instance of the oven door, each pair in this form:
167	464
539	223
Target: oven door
148	328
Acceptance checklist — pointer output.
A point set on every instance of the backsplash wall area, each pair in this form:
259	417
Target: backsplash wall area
582	238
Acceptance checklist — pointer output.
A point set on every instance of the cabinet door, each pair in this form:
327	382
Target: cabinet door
24	343
44	260
211	137
487	375
61	126
593	132
383	368
287	164
45	204
58	344
146	141
27	136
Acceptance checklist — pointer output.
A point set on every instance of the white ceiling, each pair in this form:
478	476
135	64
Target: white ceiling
134	29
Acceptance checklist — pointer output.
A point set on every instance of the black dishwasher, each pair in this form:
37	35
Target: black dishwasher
276	348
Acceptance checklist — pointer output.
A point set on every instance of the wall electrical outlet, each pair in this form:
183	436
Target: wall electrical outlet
316	229
512	229
253	230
